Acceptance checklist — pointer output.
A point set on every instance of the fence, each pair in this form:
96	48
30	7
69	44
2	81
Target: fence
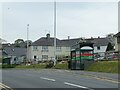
111	55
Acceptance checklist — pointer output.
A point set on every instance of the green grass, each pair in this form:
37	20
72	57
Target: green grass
34	66
42	66
7	66
0	60
101	66
61	66
105	66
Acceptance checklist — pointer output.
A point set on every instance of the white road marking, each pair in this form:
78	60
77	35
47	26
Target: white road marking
48	79
5	86
77	85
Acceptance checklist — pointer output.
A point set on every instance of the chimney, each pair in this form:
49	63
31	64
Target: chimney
68	37
98	36
48	36
9	44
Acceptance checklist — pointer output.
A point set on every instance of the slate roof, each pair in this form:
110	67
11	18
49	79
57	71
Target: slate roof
100	41
4	53
46	42
15	51
117	35
96	41
69	42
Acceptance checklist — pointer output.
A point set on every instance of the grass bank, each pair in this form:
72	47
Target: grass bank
42	66
105	66
34	66
101	66
61	66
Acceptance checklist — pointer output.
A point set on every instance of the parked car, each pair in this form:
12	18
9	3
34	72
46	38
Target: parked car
99	58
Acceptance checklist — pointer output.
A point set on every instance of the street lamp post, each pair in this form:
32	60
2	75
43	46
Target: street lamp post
54	33
27	41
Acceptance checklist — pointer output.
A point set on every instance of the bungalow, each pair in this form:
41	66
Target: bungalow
17	55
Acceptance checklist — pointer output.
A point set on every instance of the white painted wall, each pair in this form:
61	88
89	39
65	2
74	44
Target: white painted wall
101	51
65	51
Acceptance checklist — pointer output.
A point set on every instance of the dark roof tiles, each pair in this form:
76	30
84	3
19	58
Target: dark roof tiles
69	42
46	42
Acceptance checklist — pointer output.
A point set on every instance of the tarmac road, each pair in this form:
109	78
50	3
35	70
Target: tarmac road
54	78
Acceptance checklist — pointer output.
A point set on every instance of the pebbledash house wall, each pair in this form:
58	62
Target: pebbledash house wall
65	51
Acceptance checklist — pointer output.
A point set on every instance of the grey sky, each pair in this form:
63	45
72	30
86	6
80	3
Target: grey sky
74	19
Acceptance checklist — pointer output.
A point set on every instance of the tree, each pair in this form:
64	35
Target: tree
29	43
18	42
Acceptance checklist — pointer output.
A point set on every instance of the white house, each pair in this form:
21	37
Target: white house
43	49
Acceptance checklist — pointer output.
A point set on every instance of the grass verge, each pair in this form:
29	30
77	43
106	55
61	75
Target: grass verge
61	66
100	66
34	66
105	66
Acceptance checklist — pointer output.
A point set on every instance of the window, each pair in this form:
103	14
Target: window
44	48
98	48
67	48
35	48
45	57
58	49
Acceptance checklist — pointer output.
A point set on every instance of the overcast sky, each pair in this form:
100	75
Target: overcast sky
74	19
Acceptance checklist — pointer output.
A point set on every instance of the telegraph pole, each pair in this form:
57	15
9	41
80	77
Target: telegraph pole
54	33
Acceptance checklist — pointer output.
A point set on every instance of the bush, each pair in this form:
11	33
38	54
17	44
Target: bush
50	64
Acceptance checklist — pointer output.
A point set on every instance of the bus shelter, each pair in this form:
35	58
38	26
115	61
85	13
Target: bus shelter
82	56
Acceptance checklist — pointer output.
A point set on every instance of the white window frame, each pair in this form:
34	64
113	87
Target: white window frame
58	49
45	49
35	48
44	57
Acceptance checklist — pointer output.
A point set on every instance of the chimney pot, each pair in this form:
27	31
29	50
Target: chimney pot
68	37
48	36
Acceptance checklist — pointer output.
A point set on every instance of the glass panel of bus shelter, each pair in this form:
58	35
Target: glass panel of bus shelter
73	60
77	59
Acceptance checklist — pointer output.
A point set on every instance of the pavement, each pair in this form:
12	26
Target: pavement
55	78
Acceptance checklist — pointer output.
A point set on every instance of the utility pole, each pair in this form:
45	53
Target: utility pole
54	33
27	41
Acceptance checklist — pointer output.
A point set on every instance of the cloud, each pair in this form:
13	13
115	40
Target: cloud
73	19
97	20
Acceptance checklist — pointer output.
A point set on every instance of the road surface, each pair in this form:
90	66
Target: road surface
51	78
